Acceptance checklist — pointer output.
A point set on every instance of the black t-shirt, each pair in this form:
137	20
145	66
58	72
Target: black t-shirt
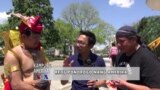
148	63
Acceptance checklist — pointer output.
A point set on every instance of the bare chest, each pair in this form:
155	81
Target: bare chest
28	62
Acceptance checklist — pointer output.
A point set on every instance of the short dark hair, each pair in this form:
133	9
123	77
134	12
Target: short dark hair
91	36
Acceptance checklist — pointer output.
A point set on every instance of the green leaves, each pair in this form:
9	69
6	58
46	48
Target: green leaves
149	29
65	31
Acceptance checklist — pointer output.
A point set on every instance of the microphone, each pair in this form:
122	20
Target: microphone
88	62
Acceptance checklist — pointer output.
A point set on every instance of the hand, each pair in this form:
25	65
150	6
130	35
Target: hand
67	62
17	14
118	83
20	16
110	84
43	84
91	83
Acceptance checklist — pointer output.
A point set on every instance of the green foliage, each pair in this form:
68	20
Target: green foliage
33	8
50	38
83	16
66	32
104	32
4	26
53	58
100	36
149	29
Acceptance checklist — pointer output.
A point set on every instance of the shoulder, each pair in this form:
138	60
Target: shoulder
144	50
146	54
73	57
17	49
10	62
149	57
9	54
146	59
10	57
98	59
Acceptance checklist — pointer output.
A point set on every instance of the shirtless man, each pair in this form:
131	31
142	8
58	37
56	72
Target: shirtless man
19	62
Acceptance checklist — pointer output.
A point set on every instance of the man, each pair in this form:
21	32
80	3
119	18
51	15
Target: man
19	62
85	58
135	54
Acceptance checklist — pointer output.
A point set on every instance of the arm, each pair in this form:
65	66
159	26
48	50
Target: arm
130	86
138	87
100	83
15	75
110	52
18	84
95	83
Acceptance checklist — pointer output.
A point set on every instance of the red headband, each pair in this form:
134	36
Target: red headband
33	23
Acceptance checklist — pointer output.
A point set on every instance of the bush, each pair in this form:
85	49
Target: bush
53	58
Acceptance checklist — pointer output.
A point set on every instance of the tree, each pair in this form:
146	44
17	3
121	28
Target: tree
149	28
37	7
66	32
83	16
4	26
103	32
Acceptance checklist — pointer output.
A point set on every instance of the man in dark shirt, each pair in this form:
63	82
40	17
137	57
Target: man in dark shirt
134	54
85	58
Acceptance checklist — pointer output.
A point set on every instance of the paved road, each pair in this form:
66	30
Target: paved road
56	85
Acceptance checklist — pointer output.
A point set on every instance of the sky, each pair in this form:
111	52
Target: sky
115	12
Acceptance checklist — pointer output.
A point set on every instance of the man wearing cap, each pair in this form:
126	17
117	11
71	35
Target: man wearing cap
19	62
135	54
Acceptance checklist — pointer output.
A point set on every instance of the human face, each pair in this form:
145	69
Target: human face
33	40
82	44
126	45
